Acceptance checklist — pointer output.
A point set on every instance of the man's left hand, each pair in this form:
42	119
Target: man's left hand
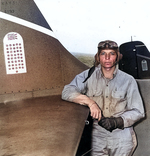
111	123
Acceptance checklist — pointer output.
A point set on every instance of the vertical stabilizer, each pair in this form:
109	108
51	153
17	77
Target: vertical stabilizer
24	9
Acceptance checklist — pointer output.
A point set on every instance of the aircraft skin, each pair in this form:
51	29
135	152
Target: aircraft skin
34	66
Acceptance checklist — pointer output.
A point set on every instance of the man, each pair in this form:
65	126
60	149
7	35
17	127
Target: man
114	101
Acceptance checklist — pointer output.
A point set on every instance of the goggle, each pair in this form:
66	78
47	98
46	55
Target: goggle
108	44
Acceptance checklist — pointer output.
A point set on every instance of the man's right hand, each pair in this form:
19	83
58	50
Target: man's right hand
95	111
94	108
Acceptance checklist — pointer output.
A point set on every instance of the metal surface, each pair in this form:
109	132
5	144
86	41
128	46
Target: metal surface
26	10
49	65
44	54
143	128
135	60
45	126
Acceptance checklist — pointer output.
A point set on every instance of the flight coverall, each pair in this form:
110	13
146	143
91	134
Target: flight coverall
116	97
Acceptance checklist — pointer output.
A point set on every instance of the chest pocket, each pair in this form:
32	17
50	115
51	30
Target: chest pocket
119	94
119	101
98	98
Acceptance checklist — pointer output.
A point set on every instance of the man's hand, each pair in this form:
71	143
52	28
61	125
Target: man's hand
111	123
94	108
95	111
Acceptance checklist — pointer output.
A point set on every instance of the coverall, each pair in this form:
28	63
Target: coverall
116	97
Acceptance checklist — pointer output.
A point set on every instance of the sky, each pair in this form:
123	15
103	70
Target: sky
81	24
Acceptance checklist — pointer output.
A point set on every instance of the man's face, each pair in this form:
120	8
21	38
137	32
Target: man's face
107	58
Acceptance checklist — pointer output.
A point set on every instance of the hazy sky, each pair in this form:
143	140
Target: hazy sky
81	24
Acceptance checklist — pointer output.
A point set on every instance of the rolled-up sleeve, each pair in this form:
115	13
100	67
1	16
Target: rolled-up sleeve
75	88
135	108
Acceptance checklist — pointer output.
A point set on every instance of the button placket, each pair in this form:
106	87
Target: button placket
107	101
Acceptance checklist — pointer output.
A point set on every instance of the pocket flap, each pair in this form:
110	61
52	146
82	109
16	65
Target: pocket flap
119	94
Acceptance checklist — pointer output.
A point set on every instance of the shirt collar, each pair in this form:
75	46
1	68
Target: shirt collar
101	73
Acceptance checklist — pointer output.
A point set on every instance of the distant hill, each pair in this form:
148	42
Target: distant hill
87	59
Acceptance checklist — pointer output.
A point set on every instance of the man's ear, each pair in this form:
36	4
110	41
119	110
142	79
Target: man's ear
120	56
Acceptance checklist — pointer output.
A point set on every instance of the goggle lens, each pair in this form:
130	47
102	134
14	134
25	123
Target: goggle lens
107	44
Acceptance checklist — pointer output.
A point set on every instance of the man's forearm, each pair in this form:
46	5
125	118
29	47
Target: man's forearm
84	100
94	108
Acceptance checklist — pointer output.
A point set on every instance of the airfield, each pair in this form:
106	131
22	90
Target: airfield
87	59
